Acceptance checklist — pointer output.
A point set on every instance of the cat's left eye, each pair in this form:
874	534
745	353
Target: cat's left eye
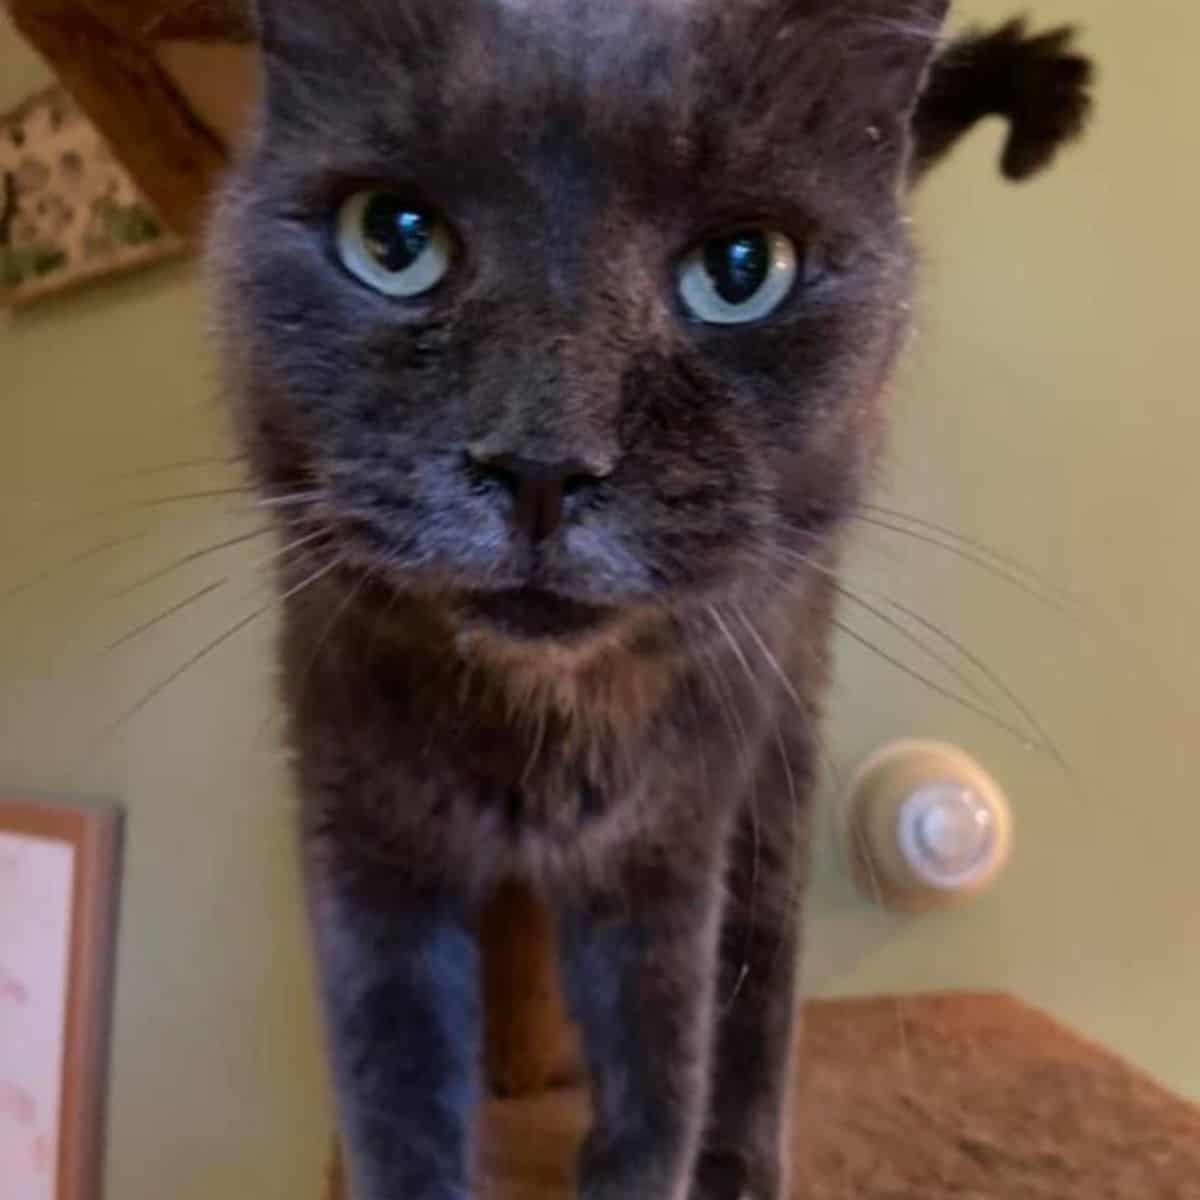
739	277
392	244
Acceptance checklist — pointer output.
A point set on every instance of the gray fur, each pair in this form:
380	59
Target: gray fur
621	713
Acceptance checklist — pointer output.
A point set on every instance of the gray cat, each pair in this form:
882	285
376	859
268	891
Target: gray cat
559	333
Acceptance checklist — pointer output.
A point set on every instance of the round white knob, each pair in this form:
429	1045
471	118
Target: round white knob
927	826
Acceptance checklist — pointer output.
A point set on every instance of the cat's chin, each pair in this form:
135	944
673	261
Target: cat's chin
530	614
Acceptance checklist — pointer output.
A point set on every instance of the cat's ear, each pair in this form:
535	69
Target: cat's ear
346	32
841	70
317	54
298	49
277	24
291	30
894	44
889	47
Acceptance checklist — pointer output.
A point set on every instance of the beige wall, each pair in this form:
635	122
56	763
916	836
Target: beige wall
1049	409
217	1089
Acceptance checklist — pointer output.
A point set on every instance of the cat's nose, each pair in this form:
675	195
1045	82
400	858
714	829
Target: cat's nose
541	491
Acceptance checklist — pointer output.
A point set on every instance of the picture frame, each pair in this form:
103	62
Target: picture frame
69	210
58	900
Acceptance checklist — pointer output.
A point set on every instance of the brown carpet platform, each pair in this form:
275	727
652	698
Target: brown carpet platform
948	1097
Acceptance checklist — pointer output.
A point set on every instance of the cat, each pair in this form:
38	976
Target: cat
1041	88
558	335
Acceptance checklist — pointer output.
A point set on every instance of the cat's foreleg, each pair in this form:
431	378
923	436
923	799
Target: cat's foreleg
640	982
744	1156
399	979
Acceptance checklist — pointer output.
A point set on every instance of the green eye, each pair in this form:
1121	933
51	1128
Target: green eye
738	277
393	245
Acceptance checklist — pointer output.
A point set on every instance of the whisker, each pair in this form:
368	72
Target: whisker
772	662
959	675
309	497
977	544
213	645
189	497
46	529
736	990
990	674
105	484
322	638
160	687
146	626
57	569
187	464
796	880
194	597
281	551
913	25
734	647
1059	605
1013	730
133	507
191	557
1044	742
802	709
756	832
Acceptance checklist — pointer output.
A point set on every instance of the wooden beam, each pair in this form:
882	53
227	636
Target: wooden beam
204	21
143	20
103	51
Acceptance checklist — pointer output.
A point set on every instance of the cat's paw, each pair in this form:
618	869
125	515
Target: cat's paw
727	1175
1043	87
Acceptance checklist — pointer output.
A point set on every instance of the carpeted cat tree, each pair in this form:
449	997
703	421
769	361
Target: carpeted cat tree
967	1097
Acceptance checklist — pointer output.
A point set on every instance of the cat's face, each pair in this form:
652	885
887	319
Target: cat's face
569	309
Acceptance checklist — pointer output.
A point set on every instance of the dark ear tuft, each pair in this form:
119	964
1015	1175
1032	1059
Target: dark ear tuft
1051	101
1041	85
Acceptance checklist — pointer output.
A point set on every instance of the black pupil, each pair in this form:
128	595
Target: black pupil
396	232
738	264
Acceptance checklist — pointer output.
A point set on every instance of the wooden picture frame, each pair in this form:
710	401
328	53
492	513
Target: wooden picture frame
58	897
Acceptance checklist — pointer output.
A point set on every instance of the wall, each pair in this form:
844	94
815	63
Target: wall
217	1088
1047	409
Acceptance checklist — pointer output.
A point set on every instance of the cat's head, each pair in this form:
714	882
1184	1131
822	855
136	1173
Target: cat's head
562	309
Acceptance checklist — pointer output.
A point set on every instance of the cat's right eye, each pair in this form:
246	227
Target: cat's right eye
740	277
391	244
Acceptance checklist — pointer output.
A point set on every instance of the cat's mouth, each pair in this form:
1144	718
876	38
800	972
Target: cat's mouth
531	613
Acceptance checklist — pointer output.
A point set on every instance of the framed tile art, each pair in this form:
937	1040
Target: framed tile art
69	210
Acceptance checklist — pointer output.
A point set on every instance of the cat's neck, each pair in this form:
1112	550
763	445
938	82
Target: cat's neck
605	686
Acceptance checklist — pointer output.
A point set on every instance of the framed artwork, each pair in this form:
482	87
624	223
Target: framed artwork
69	210
58	890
